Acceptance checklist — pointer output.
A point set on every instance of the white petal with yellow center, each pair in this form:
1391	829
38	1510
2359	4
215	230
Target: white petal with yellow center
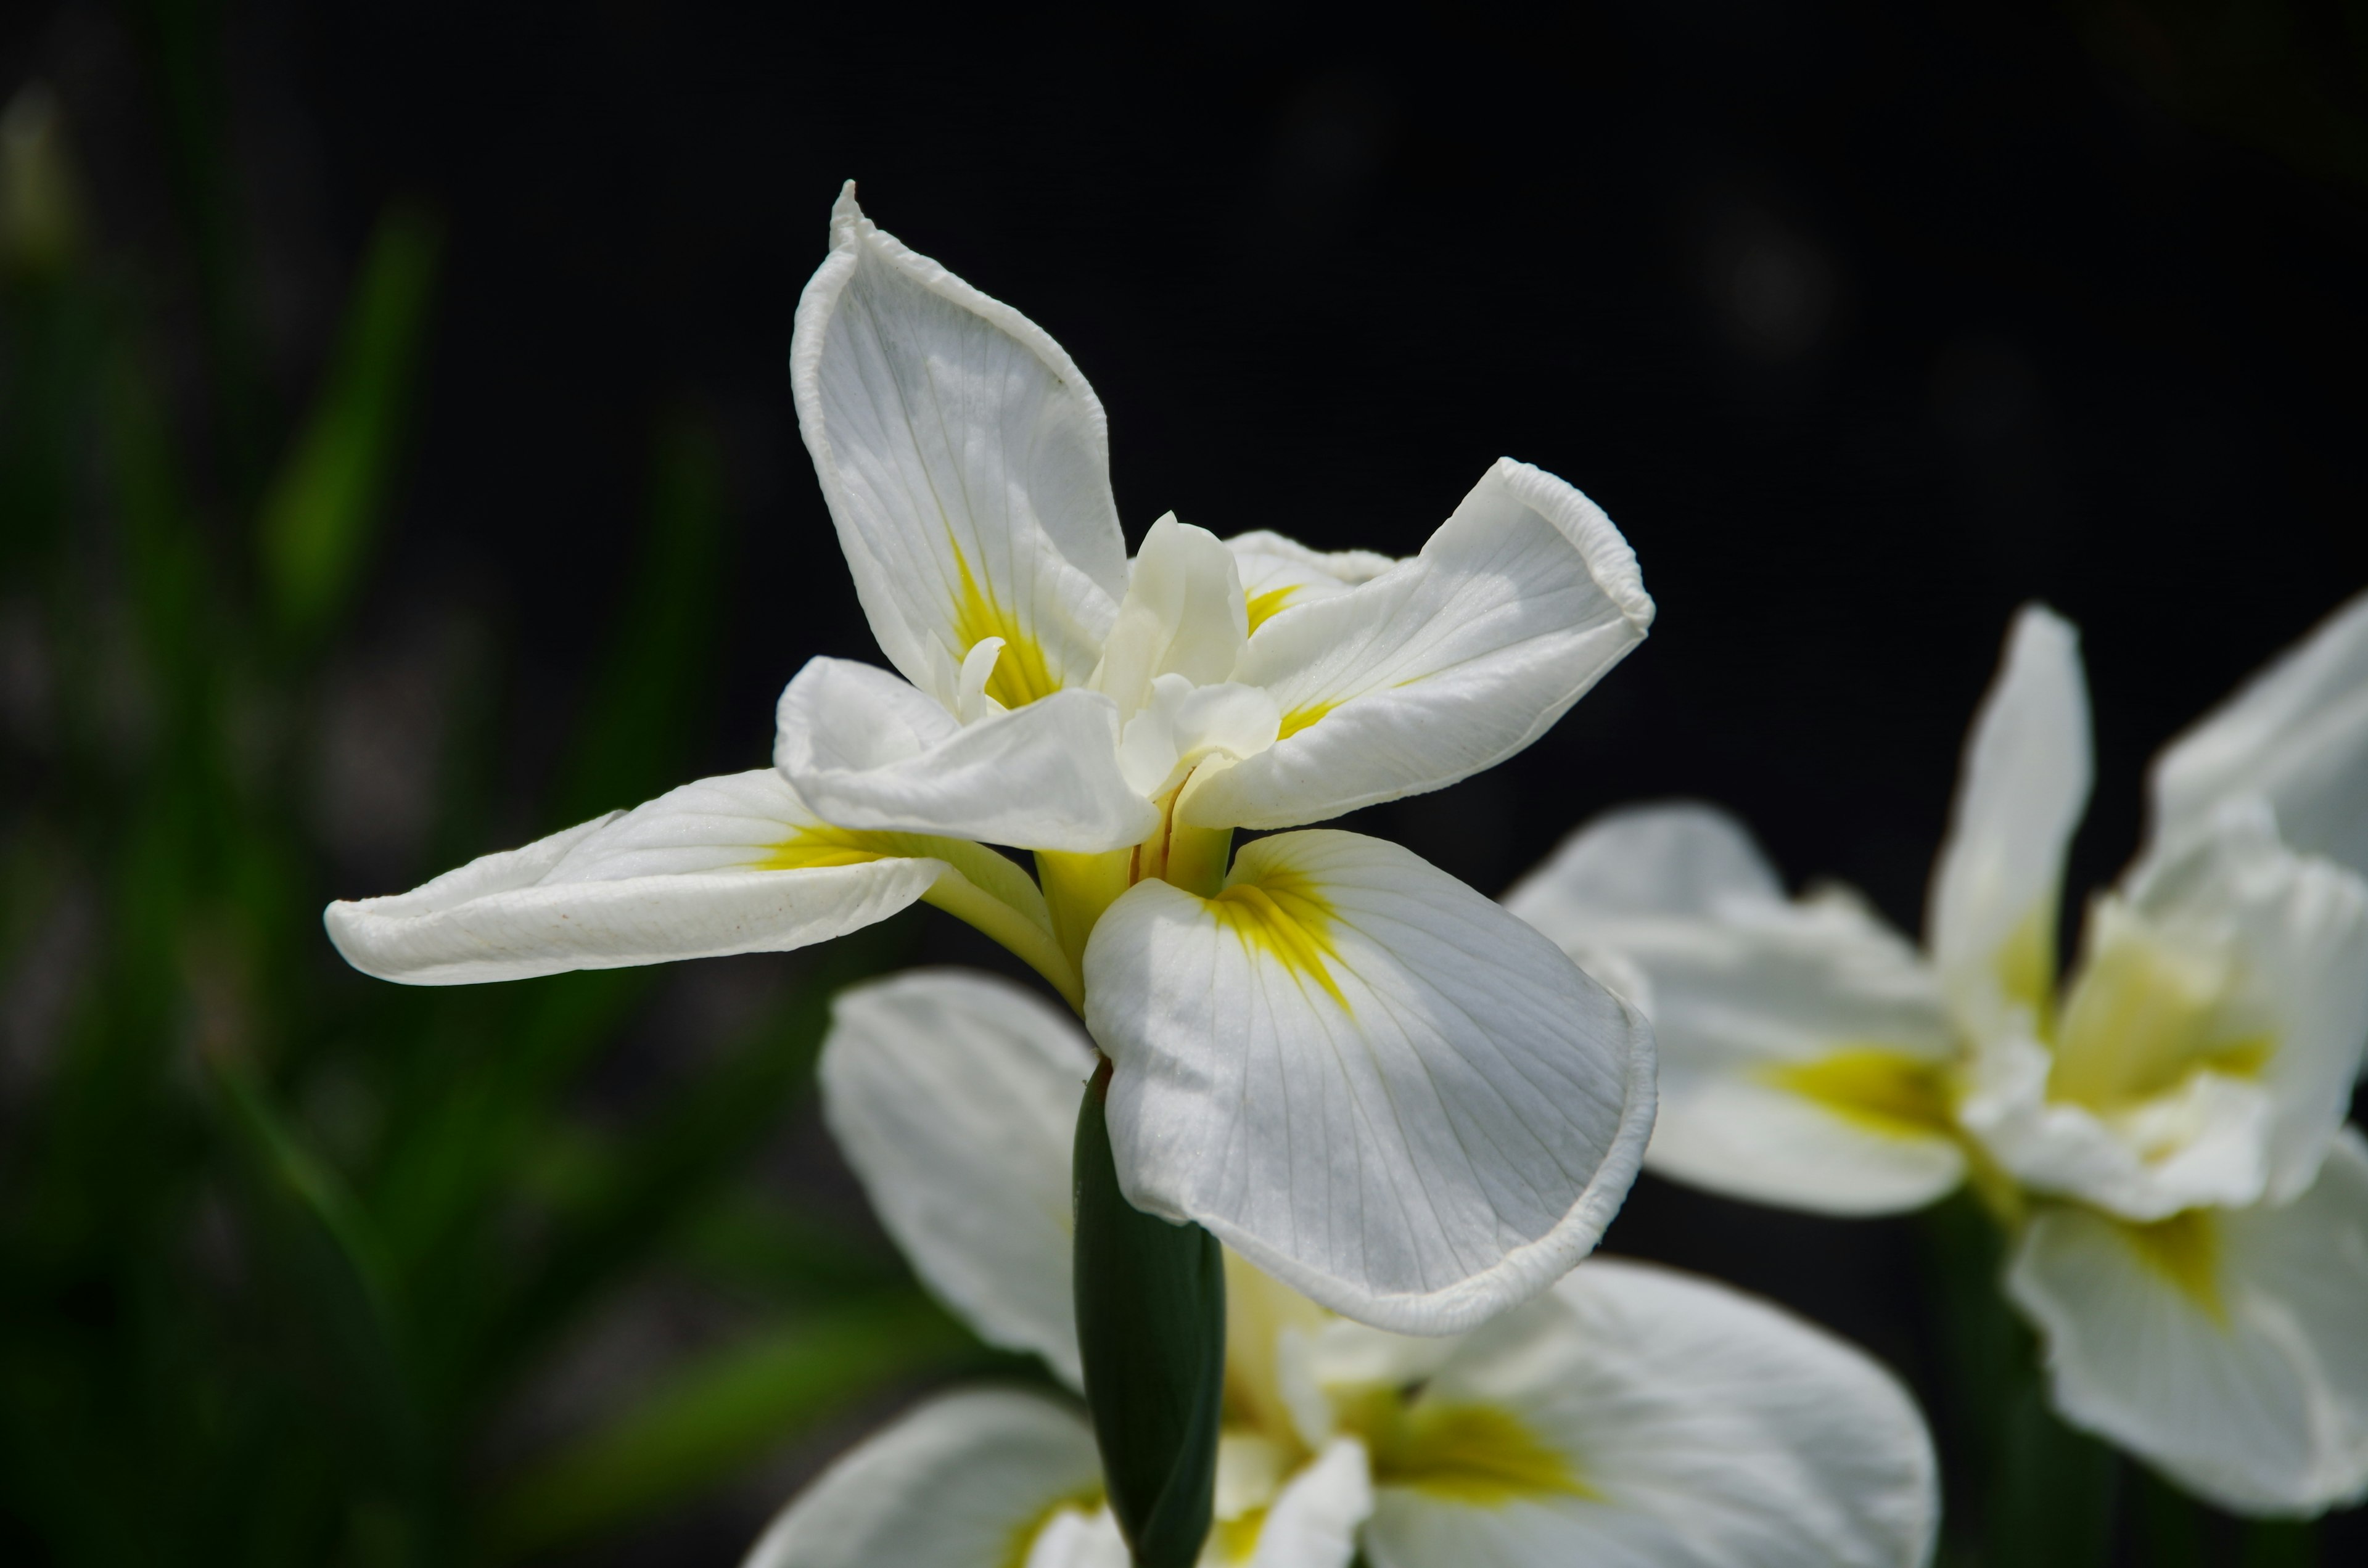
1638	1418
1804	1052
968	1480
2220	1346
1440	666
1374	1082
2295	735
869	751
954	1097
1991	924
2208	1040
735	864
966	465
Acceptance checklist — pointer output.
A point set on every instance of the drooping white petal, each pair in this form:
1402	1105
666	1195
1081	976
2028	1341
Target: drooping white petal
1443	665
1991	924
1281	573
1183	615
968	1480
955	1099
1311	1523
869	751
735	864
966	465
2223	1345
1804	1047
2209	1038
1637	1419
2296	735
1374	1082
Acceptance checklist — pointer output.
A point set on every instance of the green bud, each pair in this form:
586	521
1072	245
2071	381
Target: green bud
1151	1332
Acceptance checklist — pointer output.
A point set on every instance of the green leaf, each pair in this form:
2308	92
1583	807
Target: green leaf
648	698
716	1414
325	503
1150	1333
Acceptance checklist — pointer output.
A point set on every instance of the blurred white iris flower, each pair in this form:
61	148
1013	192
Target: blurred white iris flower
1630	1416
1350	1067
2164	1137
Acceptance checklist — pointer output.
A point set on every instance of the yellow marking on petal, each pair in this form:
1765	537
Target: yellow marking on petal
1283	916
1264	606
1877	1090
1023	1536
2184	1251
1305	714
2026	965
810	847
2143	1018
1478	1455
1236	1538
1020	674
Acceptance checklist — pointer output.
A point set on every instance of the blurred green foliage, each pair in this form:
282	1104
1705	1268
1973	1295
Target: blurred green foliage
282	1249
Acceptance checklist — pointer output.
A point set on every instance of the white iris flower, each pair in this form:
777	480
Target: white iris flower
1346	1065
2165	1136
1630	1416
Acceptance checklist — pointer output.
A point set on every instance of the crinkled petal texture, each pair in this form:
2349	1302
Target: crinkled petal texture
956	1097
966	465
2209	1038
1373	1082
2296	735
735	864
1803	1047
969	1480
1991	925
1440	666
2223	1345
871	752
1637	1419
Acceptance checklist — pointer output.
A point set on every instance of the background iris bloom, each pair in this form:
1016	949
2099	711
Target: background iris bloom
1348	1066
1630	1416
2163	1137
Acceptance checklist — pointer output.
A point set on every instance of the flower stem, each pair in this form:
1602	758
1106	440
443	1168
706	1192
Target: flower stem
1151	1331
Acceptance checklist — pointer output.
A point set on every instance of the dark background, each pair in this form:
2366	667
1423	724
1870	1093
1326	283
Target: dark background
1866	324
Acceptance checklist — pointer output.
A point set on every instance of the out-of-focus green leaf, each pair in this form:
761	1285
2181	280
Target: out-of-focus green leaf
325	503
649	695
664	1175
40	211
720	1412
2281	1543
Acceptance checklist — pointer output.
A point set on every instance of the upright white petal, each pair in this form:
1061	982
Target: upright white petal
1443	665
955	1099
1183	615
969	1480
2224	1347
1803	1049
2296	735
2209	1038
869	751
1374	1082
735	864
1637	1419
966	465
1992	921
